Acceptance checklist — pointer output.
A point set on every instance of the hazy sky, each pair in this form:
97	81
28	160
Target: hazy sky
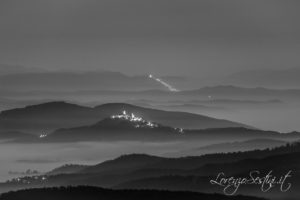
190	37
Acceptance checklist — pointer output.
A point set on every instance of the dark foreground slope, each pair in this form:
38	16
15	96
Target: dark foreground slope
91	193
135	171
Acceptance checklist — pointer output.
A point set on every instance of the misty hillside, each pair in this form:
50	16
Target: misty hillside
125	162
47	117
16	135
198	179
247	145
221	91
238	134
139	161
281	78
123	122
191	162
187	173
226	91
67	169
116	129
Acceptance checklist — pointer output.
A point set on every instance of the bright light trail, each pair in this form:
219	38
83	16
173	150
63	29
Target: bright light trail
170	88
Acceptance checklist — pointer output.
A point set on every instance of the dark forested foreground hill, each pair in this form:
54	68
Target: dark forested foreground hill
140	171
138	161
91	193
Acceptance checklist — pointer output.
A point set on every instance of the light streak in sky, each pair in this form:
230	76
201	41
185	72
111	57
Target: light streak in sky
168	86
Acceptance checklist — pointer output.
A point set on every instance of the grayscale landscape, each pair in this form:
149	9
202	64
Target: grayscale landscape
155	99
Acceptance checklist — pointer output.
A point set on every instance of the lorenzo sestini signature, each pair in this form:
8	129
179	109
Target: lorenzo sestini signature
266	182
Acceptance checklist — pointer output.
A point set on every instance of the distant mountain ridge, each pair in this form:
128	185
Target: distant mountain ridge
50	116
66	80
235	90
247	145
67	169
82	123
117	127
281	78
110	129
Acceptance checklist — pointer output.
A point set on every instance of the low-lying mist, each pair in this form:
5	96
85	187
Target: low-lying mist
45	157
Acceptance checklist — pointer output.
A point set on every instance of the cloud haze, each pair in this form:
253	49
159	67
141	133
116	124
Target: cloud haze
161	36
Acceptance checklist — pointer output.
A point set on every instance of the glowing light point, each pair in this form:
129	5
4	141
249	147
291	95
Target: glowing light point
139	122
133	118
43	135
